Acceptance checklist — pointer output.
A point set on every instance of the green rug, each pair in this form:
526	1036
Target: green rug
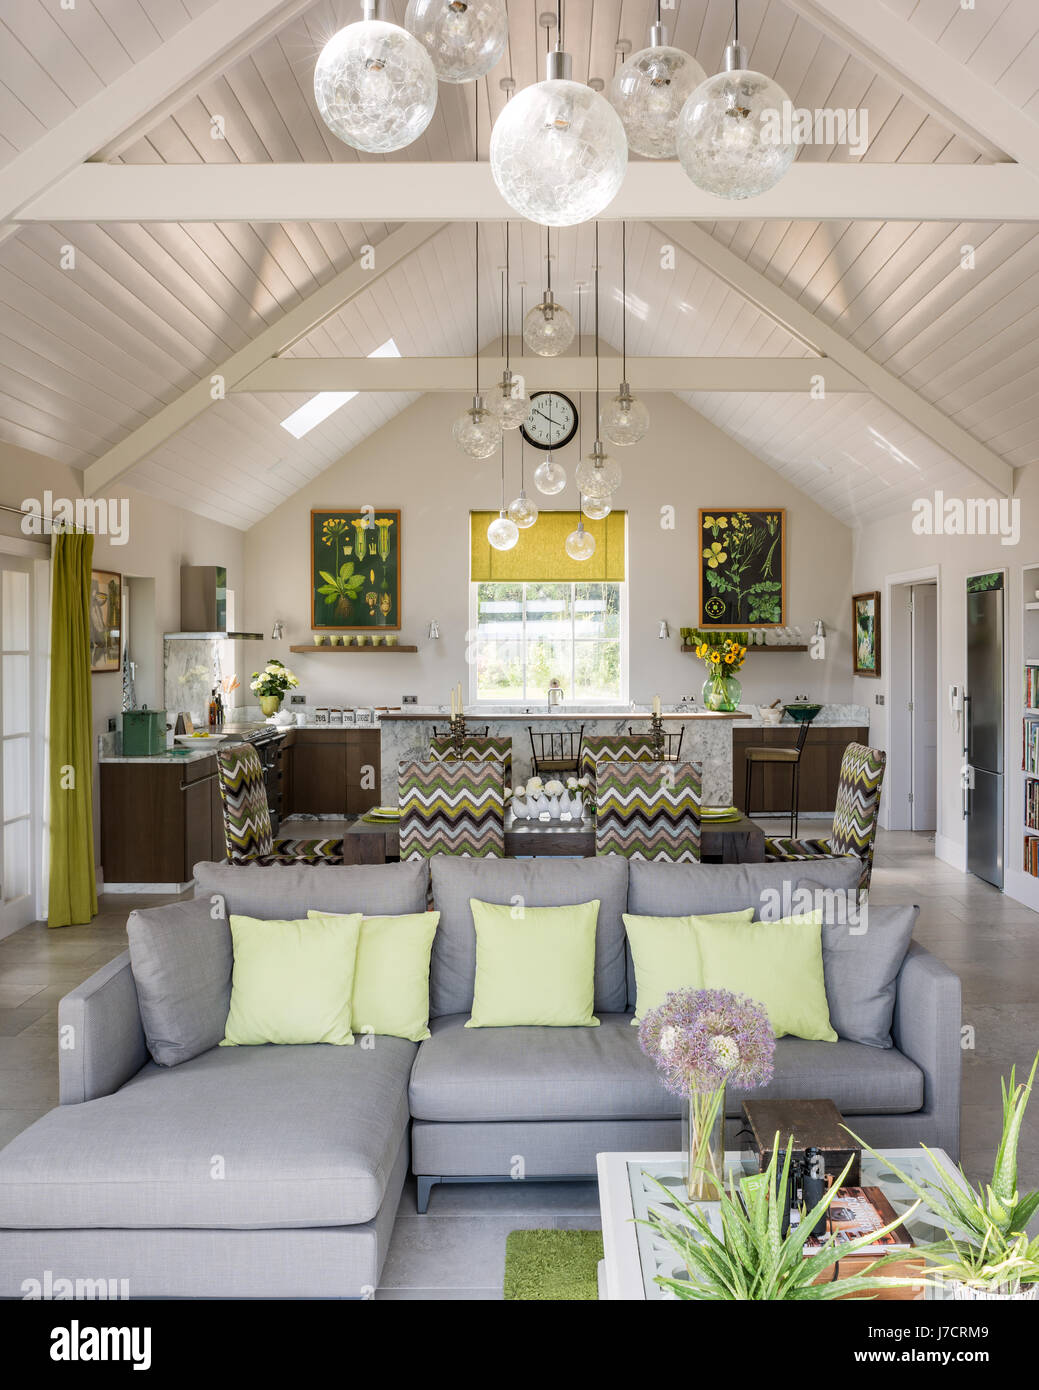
546	1265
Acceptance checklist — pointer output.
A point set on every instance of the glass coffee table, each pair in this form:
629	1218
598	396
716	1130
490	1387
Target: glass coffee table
634	1255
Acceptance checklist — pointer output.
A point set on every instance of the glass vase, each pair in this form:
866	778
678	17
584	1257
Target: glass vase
703	1140
721	692
270	704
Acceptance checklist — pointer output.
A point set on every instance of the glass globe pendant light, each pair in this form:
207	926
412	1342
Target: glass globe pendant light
503	533
477	432
650	90
548	329
509	400
595	508
375	85
464	38
522	510
558	149
726	143
598	475
580	545
549	476
625	419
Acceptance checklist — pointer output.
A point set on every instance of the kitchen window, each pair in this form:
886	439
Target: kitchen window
525	634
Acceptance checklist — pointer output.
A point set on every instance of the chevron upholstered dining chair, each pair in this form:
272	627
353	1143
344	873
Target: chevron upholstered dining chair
648	810
452	806
474	746
854	821
614	748
248	836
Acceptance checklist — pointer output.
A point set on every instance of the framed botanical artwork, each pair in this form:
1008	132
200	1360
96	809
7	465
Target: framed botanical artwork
355	568
742	567
106	621
865	610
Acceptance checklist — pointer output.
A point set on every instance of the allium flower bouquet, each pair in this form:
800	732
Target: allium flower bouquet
703	1040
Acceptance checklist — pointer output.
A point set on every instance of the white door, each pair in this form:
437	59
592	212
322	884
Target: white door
924	717
17	738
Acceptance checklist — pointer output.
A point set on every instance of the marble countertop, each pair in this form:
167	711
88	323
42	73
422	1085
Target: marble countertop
573	716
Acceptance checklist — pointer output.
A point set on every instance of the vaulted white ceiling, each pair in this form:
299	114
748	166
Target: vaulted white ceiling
90	353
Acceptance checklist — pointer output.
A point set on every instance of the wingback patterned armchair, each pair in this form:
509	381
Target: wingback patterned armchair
248	837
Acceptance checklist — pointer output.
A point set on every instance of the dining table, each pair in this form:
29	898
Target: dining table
737	841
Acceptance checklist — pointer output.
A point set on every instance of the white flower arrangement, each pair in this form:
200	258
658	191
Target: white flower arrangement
534	786
274	679
554	788
572	784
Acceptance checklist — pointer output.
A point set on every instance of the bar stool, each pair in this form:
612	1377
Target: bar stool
789	757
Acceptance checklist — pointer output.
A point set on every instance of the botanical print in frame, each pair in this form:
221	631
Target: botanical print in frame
742	567
355	568
866	634
106	620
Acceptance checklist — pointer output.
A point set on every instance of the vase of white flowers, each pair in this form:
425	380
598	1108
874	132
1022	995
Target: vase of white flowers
270	685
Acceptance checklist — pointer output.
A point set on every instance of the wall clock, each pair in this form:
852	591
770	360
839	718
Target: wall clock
552	421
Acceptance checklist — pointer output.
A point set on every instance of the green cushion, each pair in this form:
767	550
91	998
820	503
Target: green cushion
292	981
780	964
391	979
534	965
666	954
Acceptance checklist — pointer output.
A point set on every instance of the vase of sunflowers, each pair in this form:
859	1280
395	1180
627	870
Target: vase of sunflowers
723	653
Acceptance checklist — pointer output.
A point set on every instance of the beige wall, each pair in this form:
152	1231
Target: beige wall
891	548
685	463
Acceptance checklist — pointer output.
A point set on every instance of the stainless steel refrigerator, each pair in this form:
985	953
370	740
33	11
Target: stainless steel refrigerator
983	732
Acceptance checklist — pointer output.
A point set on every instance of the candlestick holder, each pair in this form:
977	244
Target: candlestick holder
456	727
656	733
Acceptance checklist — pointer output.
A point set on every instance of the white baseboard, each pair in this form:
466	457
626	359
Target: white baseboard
147	887
1023	888
951	852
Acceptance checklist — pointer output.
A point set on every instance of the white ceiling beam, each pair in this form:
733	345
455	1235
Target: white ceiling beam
937	81
796	319
110	121
646	374
278	337
464	191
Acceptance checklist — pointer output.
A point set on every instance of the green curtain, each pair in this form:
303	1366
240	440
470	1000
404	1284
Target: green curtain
73	887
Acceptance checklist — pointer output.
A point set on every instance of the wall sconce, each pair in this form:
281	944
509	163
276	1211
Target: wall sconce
278	630
434	629
665	631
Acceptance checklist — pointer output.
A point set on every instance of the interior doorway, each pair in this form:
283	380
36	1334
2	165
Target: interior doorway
913	716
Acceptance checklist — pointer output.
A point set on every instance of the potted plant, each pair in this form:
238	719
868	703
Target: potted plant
723	653
702	1040
751	1259
270	685
987	1254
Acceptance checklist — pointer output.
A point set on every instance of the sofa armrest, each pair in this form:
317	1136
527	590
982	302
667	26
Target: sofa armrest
100	1038
926	1029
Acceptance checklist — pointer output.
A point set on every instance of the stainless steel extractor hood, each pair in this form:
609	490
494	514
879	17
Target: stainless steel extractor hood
203	605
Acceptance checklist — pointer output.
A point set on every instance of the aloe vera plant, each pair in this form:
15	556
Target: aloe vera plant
993	1250
752	1259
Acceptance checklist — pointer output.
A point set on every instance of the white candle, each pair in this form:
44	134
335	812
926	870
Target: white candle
656	706
453	702
460	697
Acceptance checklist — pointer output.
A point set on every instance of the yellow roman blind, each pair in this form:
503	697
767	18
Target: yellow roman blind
540	553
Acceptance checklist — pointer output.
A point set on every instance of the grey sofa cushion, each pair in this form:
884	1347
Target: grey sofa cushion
860	968
278	891
539	883
181	959
241	1137
514	1074
675	890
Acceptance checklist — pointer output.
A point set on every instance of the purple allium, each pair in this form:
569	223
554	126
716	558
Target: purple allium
705	1038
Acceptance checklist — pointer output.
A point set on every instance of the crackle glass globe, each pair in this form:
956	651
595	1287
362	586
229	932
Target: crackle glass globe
523	511
502	533
727	139
375	86
548	329
510	403
625	420
558	153
579	544
549	477
598	476
477	432
464	38
595	508
648	94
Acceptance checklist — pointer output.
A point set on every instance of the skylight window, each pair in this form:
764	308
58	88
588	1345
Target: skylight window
326	403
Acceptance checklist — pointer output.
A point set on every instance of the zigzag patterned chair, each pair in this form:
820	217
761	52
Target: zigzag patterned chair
248	837
442	749
452	806
649	810
614	748
854	821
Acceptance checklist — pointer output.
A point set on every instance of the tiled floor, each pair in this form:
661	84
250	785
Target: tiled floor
457	1251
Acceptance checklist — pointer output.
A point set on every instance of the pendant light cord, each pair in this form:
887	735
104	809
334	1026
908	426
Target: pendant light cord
624	298
476	159
507	305
597	331
735	21
548	259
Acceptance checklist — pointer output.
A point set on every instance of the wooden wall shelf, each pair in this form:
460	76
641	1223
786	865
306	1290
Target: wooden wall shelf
749	649
355	650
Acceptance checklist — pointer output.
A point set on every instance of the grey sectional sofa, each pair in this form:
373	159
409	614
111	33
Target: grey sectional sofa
276	1171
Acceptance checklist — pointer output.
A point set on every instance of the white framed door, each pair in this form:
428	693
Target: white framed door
924	705
19	785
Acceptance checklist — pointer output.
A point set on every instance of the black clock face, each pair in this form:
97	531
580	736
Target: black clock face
552	421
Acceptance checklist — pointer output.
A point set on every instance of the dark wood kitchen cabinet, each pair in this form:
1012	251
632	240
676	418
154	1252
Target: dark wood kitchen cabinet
158	820
820	767
329	770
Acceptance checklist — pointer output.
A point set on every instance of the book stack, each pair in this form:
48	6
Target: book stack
1030	746
1032	805
1032	687
856	1211
1031	865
